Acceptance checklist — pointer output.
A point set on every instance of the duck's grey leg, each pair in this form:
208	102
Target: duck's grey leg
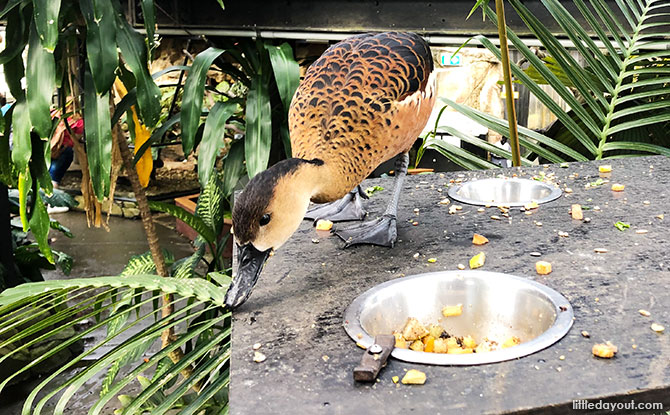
347	208
381	231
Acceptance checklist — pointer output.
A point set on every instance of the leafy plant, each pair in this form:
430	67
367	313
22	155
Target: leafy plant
619	100
122	305
189	372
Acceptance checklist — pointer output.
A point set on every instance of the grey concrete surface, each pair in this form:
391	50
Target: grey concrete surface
296	309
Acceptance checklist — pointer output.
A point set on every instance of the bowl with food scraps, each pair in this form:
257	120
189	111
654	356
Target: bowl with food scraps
460	317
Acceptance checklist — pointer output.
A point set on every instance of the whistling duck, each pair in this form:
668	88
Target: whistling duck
364	101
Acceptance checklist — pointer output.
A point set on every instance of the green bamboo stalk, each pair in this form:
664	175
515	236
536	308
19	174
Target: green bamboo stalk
509	92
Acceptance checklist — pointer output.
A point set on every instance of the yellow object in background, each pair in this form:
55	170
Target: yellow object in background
606	168
145	164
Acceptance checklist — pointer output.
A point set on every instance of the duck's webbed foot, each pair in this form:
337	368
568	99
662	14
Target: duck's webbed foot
349	207
381	231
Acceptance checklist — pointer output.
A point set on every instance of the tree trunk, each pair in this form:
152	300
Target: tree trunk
168	335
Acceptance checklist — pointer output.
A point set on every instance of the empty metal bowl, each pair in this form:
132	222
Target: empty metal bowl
495	306
504	192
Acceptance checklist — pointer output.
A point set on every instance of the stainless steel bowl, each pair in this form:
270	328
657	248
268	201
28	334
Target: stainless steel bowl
504	192
495	305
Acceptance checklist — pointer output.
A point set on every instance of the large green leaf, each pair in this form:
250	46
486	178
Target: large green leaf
286	71
46	20
16	35
39	226
194	90
233	167
188	218
39	164
98	137
258	138
134	52
287	76
40	84
213	138
22	148
101	50
11	5
149	15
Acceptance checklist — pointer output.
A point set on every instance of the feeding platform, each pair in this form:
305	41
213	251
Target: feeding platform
296	311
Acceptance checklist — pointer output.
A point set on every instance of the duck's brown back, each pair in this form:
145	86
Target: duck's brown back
363	101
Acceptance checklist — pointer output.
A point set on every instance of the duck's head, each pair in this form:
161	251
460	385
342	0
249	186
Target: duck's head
265	215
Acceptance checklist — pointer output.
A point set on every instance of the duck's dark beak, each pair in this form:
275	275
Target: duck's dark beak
250	263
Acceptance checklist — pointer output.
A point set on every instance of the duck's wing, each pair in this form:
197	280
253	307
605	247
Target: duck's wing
358	89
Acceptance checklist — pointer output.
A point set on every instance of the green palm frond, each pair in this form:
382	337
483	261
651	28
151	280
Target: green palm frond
36	313
618	100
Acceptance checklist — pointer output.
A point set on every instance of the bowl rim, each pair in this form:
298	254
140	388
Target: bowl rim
453	192
560	327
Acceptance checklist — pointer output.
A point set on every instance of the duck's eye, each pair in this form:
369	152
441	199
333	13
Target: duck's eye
265	219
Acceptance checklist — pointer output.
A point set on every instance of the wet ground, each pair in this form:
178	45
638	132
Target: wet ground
96	252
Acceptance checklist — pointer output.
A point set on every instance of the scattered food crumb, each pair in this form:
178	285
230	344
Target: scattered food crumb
535	254
585	334
359	336
576	212
315	241
641	231
256	346
461	267
325	358
601	250
324	225
415	223
259	357
494	217
395	379
481	210
606	168
622	226
617	187
478	239
568	190
657	328
646	202
661	216
561	357
478	260
416	255
543	267
604	350
373	189
644	313
445	201
563	234
432	260
414	377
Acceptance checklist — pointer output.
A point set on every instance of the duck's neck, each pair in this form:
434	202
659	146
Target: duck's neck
311	179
